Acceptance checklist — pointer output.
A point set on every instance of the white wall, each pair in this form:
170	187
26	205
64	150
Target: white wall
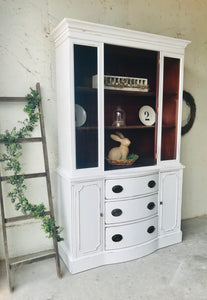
27	57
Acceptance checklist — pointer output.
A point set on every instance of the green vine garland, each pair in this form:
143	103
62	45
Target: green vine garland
11	140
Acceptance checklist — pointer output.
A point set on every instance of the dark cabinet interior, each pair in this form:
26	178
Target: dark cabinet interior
136	63
133	63
85	66
170	108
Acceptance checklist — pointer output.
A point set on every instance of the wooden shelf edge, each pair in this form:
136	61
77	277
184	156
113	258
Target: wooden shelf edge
27	140
108	91
117	128
13	99
27	259
26	176
21	218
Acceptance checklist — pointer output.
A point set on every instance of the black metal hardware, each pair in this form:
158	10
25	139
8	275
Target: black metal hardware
117	188
116	212
151	205
151	184
117	238
161	203
151	229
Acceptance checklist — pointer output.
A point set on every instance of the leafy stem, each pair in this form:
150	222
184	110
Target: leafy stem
11	140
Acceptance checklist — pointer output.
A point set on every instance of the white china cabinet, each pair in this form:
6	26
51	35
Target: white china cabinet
113	80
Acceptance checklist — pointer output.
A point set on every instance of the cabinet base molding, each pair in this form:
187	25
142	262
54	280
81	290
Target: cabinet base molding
117	256
170	239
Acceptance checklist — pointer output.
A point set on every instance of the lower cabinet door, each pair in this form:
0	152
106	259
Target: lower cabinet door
170	198
88	203
132	234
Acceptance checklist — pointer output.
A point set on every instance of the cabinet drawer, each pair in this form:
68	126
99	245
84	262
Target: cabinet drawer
132	234
129	187
130	210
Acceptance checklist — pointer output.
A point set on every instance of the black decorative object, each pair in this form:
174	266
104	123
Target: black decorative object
117	188
187	97
151	229
151	205
117	238
151	184
116	212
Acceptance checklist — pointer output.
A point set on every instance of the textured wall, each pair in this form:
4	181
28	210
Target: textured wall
27	57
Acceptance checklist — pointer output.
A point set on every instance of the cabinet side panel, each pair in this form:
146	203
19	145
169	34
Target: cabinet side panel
170	193
89	200
63	104
64	216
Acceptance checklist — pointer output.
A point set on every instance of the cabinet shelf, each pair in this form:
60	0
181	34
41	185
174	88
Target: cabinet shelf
130	127
168	126
141	162
120	128
170	95
88	90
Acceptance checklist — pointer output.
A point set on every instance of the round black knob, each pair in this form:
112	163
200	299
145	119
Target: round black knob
117	188
116	212
151	184
151	229
151	205
117	238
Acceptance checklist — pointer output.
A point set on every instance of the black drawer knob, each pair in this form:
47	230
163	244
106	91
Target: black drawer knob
151	229
151	205
117	188
151	184
117	238
116	212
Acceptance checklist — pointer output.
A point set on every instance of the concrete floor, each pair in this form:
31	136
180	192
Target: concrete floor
177	272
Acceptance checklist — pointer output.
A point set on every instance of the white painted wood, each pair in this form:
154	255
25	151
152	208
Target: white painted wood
69	28
181	58
132	234
171	200
131	210
85	196
89	221
131	186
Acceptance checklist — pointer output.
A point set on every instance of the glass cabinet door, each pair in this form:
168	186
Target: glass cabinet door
170	108
130	106
86	107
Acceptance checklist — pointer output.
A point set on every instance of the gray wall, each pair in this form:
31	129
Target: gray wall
27	57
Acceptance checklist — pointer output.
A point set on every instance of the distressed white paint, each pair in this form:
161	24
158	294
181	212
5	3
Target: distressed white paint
27	56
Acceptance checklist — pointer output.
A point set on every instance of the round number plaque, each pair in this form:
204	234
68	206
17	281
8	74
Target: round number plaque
147	115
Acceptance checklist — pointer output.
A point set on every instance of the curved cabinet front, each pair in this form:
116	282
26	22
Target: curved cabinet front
118	237
130	210
130	187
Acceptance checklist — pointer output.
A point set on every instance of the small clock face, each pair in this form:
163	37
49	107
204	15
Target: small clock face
147	115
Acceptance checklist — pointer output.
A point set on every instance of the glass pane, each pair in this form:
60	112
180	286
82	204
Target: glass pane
86	107
130	81
170	108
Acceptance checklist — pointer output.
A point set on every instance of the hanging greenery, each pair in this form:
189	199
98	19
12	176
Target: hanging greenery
11	140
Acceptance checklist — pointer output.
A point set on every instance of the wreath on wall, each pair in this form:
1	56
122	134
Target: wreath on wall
189	100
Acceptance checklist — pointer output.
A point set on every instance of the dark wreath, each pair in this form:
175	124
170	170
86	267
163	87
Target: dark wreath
187	97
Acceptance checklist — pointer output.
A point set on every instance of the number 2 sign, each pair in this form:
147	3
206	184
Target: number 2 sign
147	115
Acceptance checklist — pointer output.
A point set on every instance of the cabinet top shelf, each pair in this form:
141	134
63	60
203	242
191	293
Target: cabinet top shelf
124	127
116	128
117	92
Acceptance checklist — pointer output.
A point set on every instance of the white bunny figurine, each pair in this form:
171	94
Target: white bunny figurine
121	152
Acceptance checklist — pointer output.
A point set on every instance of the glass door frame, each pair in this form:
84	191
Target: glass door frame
100	105
160	105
